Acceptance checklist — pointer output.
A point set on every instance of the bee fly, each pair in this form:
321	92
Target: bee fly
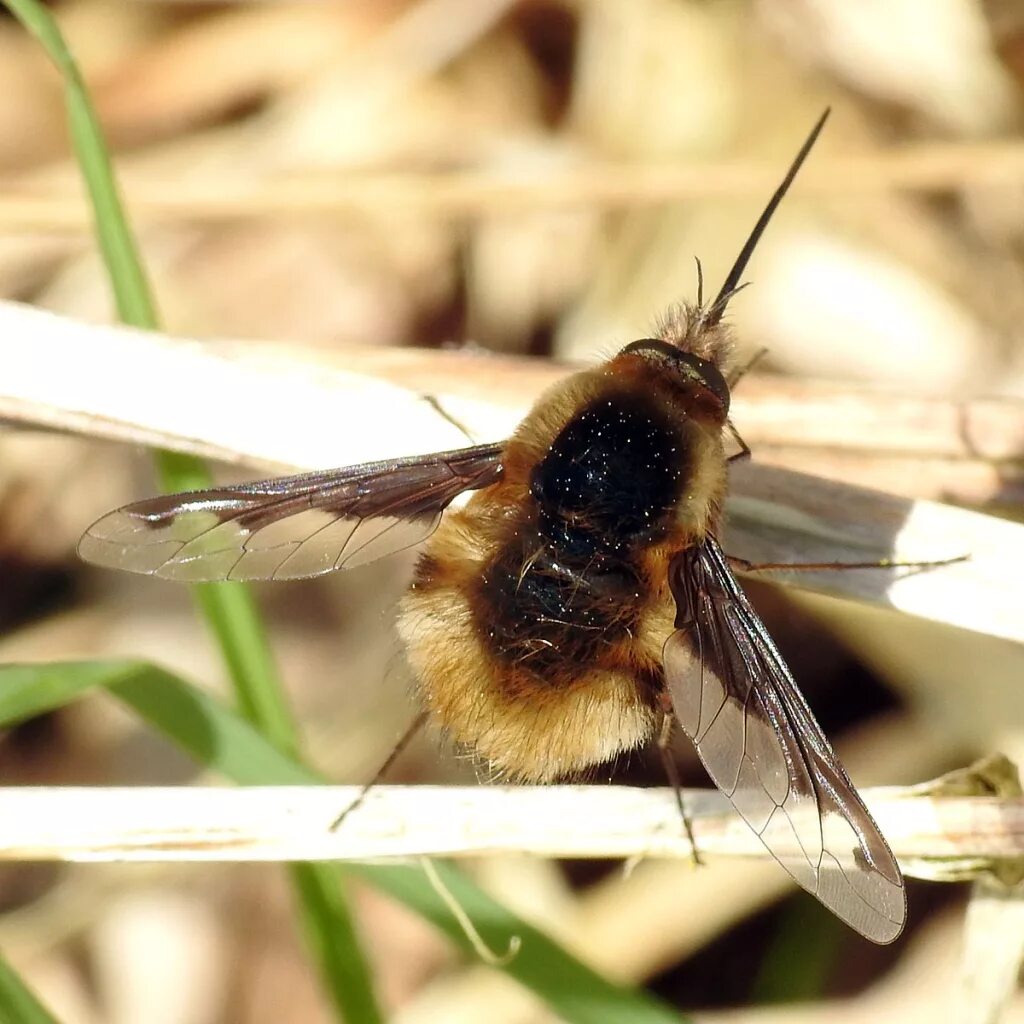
577	599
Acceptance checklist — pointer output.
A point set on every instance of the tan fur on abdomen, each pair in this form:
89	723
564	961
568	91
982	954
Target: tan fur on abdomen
525	728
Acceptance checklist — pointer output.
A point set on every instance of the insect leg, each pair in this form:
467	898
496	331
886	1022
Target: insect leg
404	740
734	378
741	371
744	452
434	404
664	742
744	565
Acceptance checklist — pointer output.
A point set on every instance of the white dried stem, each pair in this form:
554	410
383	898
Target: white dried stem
934	836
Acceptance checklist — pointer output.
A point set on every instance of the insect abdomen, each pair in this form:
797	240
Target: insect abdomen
551	615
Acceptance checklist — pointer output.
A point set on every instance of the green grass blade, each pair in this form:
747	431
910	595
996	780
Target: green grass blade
575	992
18	1004
229	610
232	614
221	740
205	729
191	718
324	915
131	289
28	690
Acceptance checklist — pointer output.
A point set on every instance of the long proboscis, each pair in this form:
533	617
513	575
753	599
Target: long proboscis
732	281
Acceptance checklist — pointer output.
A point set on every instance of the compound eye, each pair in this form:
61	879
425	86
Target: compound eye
709	375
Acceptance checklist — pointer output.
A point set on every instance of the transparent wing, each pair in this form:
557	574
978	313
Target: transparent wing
758	739
289	527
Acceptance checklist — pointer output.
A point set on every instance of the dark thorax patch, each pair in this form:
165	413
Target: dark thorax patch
611	479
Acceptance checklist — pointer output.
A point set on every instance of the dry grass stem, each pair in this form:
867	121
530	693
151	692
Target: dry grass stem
935	445
930	168
934	836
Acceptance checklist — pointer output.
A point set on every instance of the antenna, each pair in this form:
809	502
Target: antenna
731	284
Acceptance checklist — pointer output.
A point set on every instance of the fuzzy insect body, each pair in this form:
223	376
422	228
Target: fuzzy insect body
577	598
538	612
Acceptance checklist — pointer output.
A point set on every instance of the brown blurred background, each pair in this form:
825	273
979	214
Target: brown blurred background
331	174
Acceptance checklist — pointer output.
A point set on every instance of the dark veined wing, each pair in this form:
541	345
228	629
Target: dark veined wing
759	741
290	527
